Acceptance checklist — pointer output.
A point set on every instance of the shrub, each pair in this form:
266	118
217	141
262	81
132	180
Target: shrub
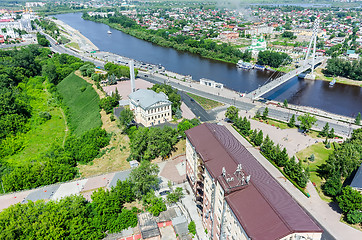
192	227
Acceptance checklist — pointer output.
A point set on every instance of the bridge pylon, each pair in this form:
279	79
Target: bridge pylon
312	47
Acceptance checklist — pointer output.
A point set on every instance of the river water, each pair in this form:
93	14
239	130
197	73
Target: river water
339	99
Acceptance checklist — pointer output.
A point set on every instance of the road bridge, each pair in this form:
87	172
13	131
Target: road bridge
279	81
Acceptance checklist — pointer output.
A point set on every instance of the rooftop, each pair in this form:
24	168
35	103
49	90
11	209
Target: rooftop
146	98
266	210
357	180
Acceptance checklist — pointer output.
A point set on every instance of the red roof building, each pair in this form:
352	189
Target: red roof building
237	197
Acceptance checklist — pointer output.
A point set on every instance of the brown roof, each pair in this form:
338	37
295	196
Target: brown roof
264	208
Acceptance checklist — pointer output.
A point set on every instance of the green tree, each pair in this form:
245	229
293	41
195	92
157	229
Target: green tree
259	138
186	125
350	200
175	195
331	133
291	122
354	217
358	119
332	187
306	121
325	130
285	103
126	117
232	113
265	113
192	227
144	178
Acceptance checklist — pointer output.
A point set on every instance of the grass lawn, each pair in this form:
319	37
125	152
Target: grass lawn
207	104
82	102
42	135
320	156
278	124
73	45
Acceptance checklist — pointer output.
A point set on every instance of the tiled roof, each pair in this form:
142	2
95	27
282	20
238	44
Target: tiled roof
264	208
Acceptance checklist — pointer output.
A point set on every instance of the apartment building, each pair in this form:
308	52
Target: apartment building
150	108
237	198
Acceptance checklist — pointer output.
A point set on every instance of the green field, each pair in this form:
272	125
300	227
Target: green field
42	135
207	104
82	102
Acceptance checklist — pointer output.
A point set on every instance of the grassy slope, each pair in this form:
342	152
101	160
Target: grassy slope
41	136
83	107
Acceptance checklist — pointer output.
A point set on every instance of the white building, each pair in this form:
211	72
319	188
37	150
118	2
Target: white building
150	108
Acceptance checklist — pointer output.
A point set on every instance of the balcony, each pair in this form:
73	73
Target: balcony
200	177
200	184
200	191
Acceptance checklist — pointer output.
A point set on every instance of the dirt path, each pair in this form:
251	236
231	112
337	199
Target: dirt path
89	80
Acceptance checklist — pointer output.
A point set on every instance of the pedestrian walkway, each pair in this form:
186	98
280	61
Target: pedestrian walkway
321	211
190	205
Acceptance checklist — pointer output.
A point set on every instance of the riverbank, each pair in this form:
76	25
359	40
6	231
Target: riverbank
320	76
160	41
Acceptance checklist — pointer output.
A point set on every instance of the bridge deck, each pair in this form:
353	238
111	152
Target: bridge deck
279	81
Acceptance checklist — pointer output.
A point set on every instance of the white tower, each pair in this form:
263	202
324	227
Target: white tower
131	73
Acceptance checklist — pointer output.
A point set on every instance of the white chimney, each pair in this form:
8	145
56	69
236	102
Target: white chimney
131	73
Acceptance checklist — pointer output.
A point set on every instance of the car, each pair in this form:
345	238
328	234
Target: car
146	75
192	100
228	120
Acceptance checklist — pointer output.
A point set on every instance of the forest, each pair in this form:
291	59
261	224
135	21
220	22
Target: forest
35	149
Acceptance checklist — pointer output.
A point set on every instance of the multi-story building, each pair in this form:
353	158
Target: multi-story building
150	108
237	198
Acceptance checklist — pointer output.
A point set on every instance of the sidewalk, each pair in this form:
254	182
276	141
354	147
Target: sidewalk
322	212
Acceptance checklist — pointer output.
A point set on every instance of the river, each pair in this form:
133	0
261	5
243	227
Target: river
339	99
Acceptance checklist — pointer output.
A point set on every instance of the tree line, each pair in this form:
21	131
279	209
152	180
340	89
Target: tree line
72	217
344	68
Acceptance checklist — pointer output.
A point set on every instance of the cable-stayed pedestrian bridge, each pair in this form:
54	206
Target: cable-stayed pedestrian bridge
286	77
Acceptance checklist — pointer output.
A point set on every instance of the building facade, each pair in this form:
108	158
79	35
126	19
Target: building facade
236	197
150	108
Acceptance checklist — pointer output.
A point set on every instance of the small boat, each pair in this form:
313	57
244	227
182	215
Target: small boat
109	32
244	65
332	82
259	67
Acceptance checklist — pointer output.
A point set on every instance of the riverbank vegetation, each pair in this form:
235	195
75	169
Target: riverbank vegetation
36	147
344	68
166	38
